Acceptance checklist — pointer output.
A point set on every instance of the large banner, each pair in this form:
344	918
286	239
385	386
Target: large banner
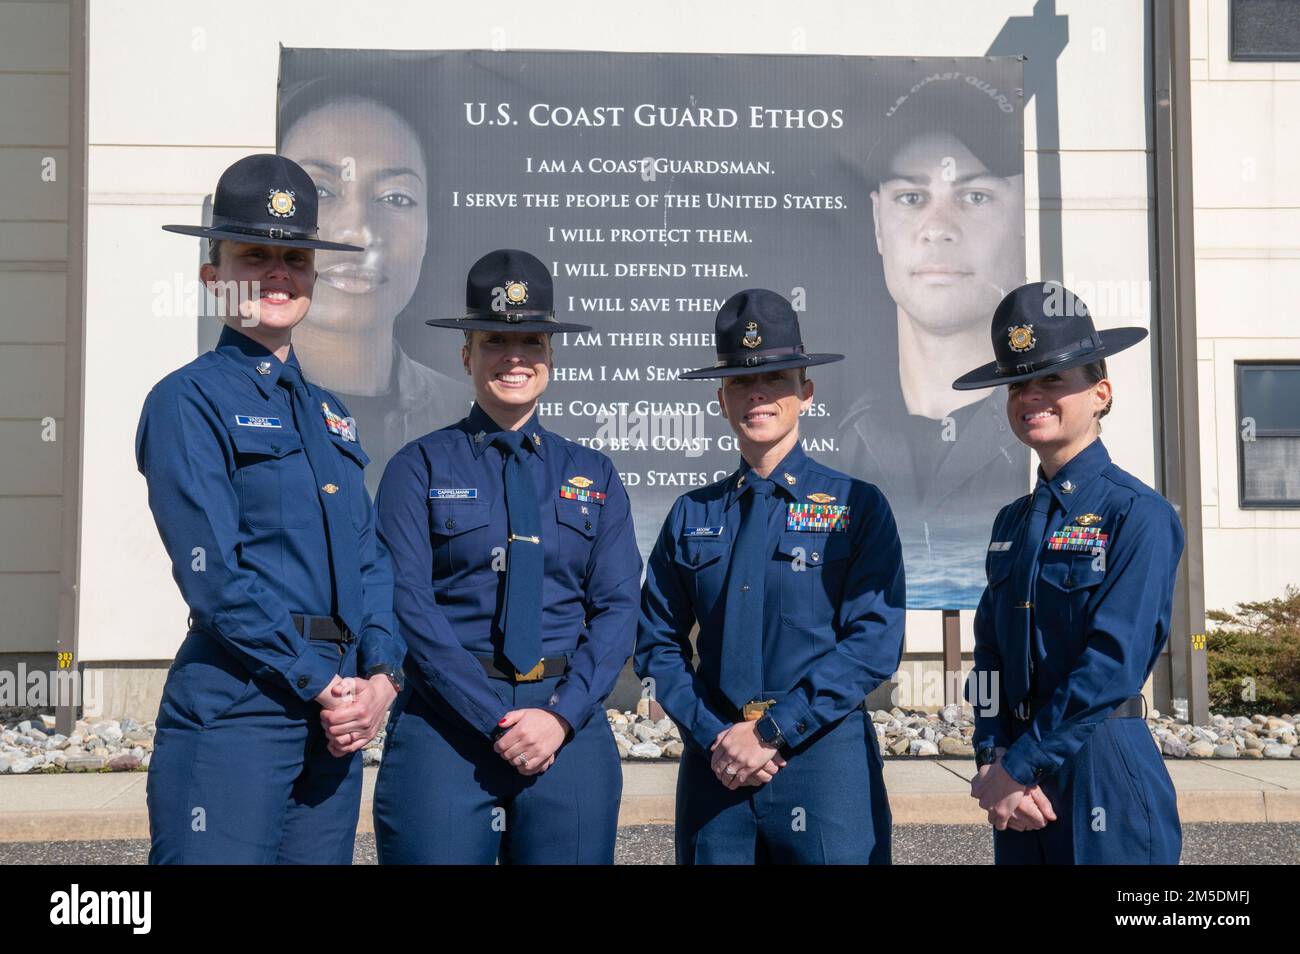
883	197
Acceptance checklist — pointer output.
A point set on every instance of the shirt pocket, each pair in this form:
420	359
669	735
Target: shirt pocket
812	580
576	523
1065	586
273	481
700	560
353	462
462	539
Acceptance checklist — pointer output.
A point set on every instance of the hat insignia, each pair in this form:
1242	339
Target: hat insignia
517	292
1021	338
280	203
1087	519
751	338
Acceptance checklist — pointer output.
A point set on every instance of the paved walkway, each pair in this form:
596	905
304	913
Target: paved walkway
90	807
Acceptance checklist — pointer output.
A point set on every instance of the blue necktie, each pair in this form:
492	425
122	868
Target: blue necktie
741	679
521	614
323	459
1023	574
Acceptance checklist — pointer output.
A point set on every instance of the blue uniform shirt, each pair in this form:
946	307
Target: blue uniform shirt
833	600
238	510
1102	601
442	513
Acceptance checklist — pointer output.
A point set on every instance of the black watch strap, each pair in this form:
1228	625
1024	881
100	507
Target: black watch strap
383	669
769	732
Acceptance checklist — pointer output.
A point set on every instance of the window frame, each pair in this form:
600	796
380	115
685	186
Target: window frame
1240	369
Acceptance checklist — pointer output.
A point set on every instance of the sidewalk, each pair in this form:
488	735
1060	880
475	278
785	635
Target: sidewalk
99	807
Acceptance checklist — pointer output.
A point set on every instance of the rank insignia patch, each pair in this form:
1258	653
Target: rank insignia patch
1073	537
338	426
582	493
821	498
819	517
453	493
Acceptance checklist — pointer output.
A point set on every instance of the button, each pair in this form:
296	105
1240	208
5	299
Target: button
588	526
331	488
1069	581
801	727
275	448
450	524
302	682
744	587
816	556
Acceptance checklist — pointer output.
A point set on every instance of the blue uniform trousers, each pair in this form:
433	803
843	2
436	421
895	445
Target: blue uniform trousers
827	806
444	796
240	773
1114	803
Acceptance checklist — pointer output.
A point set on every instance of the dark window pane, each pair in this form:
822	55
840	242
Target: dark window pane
1271	395
1272	470
1265	30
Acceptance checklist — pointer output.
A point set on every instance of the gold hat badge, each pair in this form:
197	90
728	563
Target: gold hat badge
280	203
1021	338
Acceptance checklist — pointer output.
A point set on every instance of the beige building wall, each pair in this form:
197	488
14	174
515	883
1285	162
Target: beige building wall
1246	169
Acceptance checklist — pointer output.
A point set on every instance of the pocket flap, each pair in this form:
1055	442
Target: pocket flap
265	442
454	517
582	517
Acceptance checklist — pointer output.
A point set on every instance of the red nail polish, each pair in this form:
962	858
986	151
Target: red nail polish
503	721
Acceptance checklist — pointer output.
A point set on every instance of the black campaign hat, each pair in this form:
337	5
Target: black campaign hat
508	290
264	200
757	330
1042	328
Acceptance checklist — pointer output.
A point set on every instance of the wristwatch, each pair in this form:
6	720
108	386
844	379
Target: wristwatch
383	669
770	733
986	756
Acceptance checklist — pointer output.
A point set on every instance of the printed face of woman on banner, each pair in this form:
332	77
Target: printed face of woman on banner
370	172
950	234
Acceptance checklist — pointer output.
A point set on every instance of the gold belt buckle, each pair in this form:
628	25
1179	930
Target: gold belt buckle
533	675
753	711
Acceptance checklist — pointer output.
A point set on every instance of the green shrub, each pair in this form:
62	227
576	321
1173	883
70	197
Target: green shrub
1260	642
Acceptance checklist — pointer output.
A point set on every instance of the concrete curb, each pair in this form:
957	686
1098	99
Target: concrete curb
909	808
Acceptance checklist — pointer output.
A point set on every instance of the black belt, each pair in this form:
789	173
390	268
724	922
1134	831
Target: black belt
1134	707
321	627
545	668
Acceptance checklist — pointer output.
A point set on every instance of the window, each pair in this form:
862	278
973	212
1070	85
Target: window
1265	30
1268	436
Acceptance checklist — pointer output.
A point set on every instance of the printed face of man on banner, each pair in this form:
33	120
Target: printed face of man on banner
950	235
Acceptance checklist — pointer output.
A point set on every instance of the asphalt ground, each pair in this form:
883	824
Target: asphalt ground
1259	843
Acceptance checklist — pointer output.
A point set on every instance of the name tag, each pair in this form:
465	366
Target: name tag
999	546
247	420
702	532
453	493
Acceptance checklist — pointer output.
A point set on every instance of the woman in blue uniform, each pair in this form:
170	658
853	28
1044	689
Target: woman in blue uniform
256	483
516	577
1076	611
794	574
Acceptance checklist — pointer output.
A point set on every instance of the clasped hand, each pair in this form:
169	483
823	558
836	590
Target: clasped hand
352	710
531	739
740	757
1008	803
